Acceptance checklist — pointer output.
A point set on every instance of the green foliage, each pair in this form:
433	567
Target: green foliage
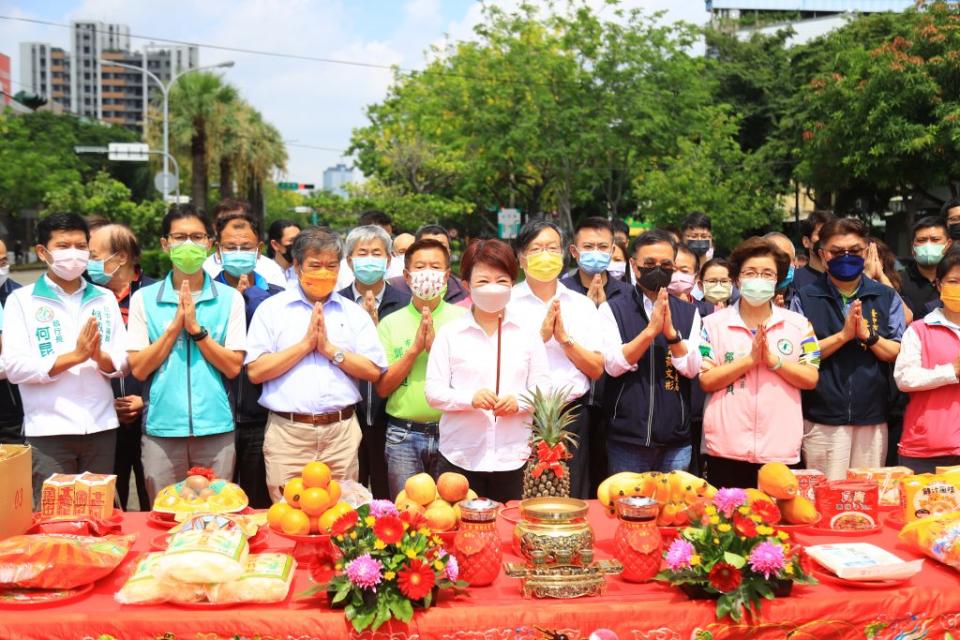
155	262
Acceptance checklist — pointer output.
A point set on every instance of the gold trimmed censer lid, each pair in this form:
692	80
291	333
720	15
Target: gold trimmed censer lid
553	509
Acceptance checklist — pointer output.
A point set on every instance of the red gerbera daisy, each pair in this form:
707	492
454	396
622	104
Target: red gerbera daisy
415	580
344	523
724	577
768	512
744	525
413	518
389	529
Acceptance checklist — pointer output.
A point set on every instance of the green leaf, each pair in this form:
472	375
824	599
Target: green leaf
735	559
383	614
428	600
341	594
363	620
402	609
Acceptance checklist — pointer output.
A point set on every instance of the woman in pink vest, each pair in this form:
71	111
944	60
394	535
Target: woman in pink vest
927	369
757	357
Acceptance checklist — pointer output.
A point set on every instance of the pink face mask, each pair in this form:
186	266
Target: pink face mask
680	284
491	298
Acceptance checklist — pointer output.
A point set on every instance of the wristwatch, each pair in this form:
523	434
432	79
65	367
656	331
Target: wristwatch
676	340
338	358
200	335
778	365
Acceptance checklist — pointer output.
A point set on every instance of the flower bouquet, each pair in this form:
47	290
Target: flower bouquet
389	562
736	555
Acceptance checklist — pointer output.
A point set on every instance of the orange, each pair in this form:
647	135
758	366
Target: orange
295	523
316	474
315	526
292	492
334	490
328	518
315	501
276	513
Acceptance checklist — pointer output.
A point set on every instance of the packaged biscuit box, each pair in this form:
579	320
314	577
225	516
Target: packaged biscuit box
927	494
849	505
887	479
809	480
94	495
57	496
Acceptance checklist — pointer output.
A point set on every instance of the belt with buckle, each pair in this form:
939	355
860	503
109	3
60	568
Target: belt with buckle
419	427
319	419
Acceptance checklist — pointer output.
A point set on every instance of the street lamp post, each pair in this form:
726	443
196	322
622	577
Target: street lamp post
165	90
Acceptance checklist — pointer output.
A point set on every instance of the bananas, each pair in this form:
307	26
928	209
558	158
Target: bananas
681	494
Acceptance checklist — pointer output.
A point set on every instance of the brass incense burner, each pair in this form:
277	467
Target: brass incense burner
557	527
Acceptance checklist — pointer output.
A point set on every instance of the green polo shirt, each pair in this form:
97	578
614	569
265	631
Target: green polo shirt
397	330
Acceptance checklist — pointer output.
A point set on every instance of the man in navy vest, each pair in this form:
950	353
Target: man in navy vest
648	397
859	323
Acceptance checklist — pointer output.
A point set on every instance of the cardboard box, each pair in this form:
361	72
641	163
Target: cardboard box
94	495
57	496
16	489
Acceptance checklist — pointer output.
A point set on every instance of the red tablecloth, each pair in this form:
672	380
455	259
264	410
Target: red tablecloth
926	607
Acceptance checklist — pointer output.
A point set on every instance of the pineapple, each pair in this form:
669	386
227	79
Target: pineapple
549	422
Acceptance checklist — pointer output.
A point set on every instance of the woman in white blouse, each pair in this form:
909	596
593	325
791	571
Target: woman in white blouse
484	431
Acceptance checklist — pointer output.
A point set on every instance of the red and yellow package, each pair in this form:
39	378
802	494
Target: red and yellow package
56	561
98	494
936	536
809	480
849	505
57	496
887	479
927	494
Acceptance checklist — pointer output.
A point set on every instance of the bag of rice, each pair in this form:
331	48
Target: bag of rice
143	587
267	579
204	556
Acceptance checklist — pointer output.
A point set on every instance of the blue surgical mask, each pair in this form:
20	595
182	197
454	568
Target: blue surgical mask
929	254
593	262
783	284
756	291
369	269
239	263
96	272
846	268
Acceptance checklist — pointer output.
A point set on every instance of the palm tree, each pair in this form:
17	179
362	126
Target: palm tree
199	102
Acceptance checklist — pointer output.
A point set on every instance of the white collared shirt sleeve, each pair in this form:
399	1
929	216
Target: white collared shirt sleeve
439	383
367	341
909	372
538	377
261	338
138	338
117	348
236	338
614	361
689	365
20	360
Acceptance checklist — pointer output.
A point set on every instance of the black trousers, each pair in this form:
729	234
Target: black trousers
127	460
727	473
373	461
598	448
581	470
251	471
496	485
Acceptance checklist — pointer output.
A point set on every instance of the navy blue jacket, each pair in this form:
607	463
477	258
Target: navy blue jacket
11	409
129	385
805	276
455	291
372	409
854	385
650	406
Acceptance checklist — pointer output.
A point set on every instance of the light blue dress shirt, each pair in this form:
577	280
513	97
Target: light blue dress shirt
314	385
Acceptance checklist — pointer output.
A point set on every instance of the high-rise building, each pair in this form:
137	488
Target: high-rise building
124	96
336	178
90	40
6	86
45	71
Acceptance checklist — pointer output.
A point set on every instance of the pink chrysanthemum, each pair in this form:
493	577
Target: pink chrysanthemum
452	569
766	558
727	500
679	554
364	571
380	508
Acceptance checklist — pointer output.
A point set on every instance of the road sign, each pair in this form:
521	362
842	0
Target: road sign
177	199
129	151
508	223
84	149
294	186
164	182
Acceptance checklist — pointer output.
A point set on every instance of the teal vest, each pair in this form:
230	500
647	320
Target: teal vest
186	395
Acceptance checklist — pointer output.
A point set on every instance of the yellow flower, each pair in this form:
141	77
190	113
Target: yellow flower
424	531
744	510
756	519
438	565
694	560
389	575
411	554
724	528
339	566
714	520
340	538
405	526
711	510
353	535
764	530
716	541
789	569
783	535
379	544
369	521
436	540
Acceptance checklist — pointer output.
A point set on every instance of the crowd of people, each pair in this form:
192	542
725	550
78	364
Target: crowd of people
385	357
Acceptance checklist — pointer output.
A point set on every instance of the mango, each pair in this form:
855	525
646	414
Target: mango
798	510
755	494
776	480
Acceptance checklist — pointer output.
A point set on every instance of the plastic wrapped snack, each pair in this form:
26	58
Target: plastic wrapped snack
887	479
936	536
204	556
143	587
267	579
249	525
57	561
927	494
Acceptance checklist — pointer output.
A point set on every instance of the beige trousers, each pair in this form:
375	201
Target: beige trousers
833	450
288	446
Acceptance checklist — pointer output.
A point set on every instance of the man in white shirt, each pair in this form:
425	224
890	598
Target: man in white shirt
269	269
63	338
567	322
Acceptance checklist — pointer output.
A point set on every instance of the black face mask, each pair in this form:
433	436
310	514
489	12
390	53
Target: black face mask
699	247
654	278
954	230
288	254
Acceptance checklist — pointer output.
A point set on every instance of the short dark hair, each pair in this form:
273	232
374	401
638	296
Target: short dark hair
713	262
431	230
532	229
696	220
180	211
929	222
60	222
594	222
842	227
95	221
620	226
756	247
275	232
683	248
816	218
951	260
422	245
492	252
952	203
673	230
654	236
226	217
375	217
231	204
122	239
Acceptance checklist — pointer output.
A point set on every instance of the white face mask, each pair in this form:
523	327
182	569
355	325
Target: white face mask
68	264
617	268
491	298
4	274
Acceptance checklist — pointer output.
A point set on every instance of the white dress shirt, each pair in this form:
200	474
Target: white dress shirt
909	372
580	319
616	364
345	276
266	267
462	361
314	384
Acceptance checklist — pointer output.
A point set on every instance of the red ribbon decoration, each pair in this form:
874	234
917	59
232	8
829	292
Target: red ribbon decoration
202	471
549	458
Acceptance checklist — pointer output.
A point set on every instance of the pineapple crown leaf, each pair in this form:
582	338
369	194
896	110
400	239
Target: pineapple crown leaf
551	415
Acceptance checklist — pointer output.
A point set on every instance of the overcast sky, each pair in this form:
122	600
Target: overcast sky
312	103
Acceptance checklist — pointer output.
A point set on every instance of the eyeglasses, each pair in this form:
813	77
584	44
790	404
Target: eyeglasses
553	248
953	219
849	251
763	275
193	237
713	282
650	264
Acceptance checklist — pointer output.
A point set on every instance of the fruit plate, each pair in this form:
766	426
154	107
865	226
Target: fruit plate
510	513
317	538
793	528
823	575
309	550
37	598
256	543
164	520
